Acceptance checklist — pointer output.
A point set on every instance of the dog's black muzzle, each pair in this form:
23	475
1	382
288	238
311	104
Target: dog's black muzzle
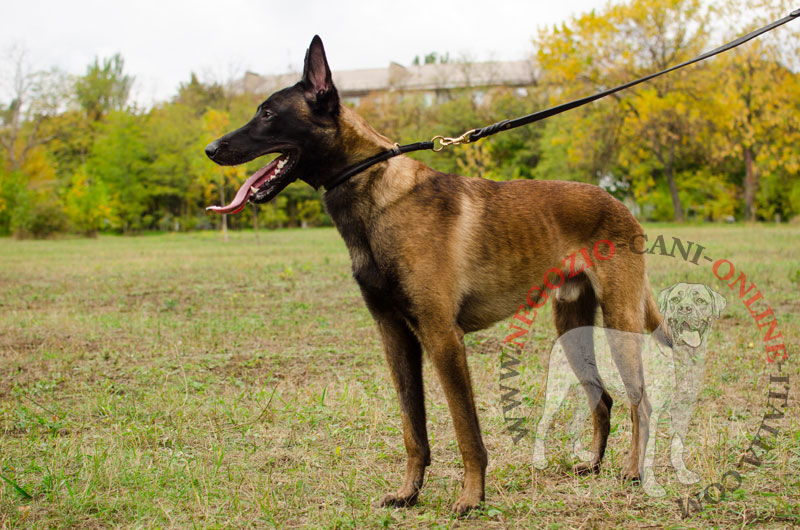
211	149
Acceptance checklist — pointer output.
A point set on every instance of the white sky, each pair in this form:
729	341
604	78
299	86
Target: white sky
163	41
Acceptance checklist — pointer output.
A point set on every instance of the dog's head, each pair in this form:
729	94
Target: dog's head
299	122
688	309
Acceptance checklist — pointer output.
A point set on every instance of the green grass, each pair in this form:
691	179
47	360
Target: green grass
173	381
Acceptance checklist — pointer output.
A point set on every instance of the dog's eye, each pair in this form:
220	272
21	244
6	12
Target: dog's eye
700	300
675	300
267	114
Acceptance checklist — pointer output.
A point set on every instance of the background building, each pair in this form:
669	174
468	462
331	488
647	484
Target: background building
435	81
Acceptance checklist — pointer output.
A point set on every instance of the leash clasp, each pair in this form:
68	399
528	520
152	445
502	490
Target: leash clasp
444	141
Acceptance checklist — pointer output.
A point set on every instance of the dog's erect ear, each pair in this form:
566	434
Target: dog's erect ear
317	80
663	298
719	301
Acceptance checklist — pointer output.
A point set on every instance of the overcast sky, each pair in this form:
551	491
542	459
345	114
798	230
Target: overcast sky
163	41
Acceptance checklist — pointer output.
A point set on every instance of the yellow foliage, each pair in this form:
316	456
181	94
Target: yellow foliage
215	123
477	161
87	204
38	170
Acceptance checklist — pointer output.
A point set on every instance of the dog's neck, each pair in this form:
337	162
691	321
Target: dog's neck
358	139
377	186
353	204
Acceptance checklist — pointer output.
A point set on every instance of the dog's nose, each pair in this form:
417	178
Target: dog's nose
211	150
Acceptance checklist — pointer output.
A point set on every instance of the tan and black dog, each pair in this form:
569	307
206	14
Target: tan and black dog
437	256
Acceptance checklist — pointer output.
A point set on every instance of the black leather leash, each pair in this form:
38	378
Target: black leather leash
476	134
386	155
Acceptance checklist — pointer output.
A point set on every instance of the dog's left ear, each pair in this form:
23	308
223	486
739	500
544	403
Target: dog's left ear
317	80
719	301
663	298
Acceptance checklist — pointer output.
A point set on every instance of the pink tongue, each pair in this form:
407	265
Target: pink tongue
238	202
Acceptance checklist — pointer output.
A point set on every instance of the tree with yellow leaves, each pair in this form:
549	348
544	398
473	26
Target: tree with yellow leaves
704	138
215	124
756	112
659	120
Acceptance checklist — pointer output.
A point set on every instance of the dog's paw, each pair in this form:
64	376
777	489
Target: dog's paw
399	499
539	458
467	502
650	485
586	468
687	477
540	464
584	456
628	475
653	488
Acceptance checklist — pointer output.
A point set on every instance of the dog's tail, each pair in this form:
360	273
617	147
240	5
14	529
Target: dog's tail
653	320
652	316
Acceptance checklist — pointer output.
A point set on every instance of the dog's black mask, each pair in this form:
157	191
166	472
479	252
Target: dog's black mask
298	122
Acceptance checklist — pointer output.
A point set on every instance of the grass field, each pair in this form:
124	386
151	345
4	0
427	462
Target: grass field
173	381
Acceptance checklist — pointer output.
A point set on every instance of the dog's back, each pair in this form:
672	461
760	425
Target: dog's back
493	241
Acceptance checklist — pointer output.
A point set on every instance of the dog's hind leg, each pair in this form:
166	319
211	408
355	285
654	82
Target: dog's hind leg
574	319
404	354
575	429
623	316
559	380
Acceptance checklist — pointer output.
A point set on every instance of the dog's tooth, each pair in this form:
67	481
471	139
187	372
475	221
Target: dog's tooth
253	189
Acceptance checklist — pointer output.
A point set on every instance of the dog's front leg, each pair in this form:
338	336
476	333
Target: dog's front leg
681	413
404	355
445	346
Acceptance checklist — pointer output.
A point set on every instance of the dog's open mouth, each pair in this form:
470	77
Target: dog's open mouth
692	335
262	185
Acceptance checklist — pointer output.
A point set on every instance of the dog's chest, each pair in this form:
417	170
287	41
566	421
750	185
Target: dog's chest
377	278
378	281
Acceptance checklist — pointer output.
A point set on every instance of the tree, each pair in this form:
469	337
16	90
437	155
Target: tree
432	58
175	140
274	213
119	158
624	42
88	205
29	204
104	88
309	211
756	109
201	97
215	124
34	97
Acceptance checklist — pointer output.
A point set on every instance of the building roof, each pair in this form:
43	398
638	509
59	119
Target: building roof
428	77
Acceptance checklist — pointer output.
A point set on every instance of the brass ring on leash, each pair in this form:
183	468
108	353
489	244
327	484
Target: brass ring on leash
441	145
444	141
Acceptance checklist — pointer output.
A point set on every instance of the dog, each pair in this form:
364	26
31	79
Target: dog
673	370
437	256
